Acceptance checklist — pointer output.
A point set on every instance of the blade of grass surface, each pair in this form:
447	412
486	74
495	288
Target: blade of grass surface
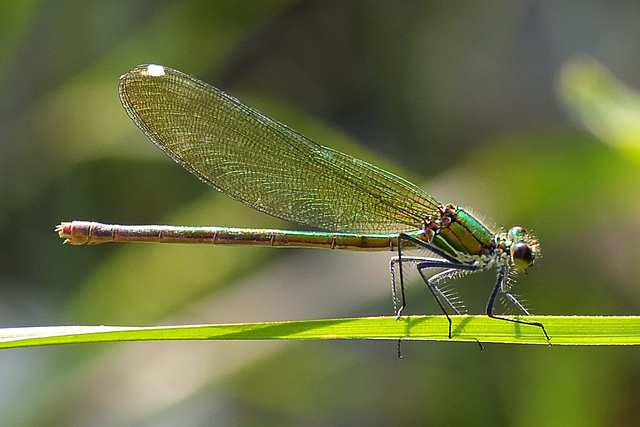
563	330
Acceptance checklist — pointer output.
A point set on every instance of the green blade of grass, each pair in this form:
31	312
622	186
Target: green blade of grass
563	330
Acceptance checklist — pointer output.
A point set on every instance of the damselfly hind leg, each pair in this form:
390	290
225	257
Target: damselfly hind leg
446	304
398	305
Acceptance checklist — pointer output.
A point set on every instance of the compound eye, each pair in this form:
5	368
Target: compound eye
517	233
522	255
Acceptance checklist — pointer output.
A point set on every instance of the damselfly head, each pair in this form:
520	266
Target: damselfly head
524	247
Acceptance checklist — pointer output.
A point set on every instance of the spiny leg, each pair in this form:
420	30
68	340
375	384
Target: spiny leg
514	301
423	264
443	301
432	285
400	260
398	306
398	309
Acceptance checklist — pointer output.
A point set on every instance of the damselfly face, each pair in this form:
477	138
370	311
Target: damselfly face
524	247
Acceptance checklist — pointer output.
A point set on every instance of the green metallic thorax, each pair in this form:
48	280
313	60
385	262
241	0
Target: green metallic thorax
464	235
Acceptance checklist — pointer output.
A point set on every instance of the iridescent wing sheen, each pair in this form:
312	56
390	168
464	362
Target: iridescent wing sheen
265	164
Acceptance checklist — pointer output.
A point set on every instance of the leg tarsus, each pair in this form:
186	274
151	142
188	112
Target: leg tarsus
523	322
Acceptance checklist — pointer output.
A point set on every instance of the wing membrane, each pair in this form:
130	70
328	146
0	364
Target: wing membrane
264	163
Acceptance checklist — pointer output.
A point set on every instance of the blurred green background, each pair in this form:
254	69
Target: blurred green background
525	111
